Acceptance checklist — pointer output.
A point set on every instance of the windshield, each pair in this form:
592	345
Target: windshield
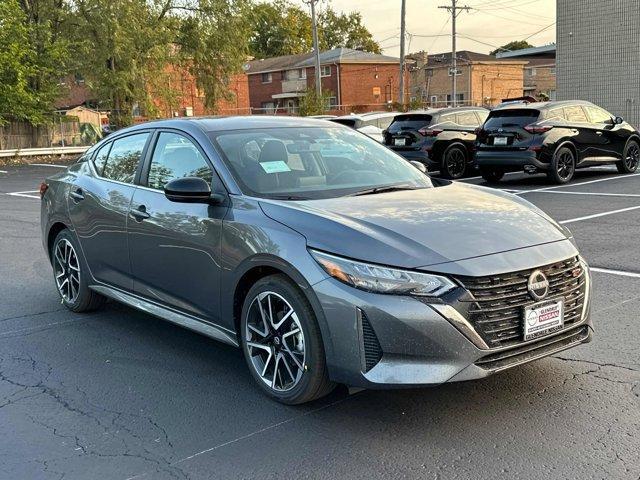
409	122
511	118
312	162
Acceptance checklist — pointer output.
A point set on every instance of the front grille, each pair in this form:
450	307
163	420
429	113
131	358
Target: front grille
498	301
371	345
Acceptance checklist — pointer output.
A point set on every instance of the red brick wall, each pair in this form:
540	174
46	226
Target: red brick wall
357	83
261	92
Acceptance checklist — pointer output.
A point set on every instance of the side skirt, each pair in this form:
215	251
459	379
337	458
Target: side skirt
187	321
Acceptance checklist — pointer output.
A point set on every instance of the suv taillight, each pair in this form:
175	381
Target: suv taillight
43	189
533	128
429	132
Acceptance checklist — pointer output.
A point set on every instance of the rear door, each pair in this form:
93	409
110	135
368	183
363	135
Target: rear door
504	129
175	247
99	204
403	132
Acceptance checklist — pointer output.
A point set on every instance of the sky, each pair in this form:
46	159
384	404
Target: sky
492	22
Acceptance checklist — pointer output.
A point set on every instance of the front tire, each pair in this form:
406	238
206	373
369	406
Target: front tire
454	163
281	342
630	158
70	275
491	175
562	166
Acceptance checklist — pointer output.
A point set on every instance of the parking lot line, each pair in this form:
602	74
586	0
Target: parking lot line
47	165
596	215
617	177
596	194
3	171
615	272
25	194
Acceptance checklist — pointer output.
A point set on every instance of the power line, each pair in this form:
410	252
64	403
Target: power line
455	11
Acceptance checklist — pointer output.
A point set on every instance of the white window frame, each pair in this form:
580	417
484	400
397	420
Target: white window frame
323	70
269	76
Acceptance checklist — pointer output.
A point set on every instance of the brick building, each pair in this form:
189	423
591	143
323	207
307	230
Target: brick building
356	81
598	59
540	71
483	80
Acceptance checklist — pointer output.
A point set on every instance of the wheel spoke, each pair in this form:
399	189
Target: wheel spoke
258	331
293	357
286	364
266	364
260	346
276	326
275	372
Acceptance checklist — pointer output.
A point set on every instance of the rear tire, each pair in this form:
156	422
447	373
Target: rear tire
70	274
491	175
630	158
454	163
562	166
282	343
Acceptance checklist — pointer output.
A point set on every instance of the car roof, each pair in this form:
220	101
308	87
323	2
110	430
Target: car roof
542	105
367	116
225	123
436	111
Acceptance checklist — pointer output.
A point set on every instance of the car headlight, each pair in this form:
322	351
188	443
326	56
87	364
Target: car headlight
379	279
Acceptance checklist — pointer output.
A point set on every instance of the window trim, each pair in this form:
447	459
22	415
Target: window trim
217	184
269	75
322	67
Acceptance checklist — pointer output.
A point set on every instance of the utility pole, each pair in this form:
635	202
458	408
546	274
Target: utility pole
403	9
314	25
454	9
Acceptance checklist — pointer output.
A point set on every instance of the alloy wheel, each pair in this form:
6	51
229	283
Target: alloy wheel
632	158
565	165
66	269
455	163
275	341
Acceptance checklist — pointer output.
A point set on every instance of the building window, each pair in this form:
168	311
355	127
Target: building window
531	72
302	73
325	70
459	98
332	103
552	71
296	74
434	100
269	108
266	78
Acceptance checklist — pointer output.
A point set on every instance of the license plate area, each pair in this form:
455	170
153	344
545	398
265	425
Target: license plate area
399	142
500	141
543	318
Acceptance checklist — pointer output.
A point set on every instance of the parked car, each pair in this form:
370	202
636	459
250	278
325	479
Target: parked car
442	139
322	117
556	138
326	257
372	124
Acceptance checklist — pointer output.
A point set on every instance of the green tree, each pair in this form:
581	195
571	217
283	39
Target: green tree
511	46
280	28
313	103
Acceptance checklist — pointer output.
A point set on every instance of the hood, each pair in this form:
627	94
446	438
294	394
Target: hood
418	228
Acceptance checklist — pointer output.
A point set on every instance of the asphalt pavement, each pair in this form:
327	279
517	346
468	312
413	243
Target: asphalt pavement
118	394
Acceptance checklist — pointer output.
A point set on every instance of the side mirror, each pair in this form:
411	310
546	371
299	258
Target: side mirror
188	190
618	120
419	165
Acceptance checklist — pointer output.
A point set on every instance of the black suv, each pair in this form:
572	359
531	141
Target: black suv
556	138
440	138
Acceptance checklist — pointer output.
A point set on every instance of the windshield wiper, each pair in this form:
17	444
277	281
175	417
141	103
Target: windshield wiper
288	197
384	189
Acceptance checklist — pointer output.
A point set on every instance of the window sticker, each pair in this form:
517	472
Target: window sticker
278	166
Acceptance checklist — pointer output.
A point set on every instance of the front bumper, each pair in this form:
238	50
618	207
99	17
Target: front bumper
419	344
509	160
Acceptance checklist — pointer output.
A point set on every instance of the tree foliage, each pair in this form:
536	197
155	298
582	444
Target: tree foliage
511	46
281	28
313	103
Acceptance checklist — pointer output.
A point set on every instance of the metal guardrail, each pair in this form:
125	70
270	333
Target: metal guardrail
36	152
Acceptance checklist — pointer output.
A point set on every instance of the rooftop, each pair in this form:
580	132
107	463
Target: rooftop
337	55
546	50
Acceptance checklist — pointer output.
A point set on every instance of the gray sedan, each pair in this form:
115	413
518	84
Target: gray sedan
323	255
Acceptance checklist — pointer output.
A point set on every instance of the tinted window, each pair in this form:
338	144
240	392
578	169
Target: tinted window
175	156
555	114
467	119
124	157
346	121
101	158
312	162
598	115
384	122
575	114
511	118
409	122
447	117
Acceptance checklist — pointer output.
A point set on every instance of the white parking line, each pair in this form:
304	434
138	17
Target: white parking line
617	177
3	171
622	273
47	165
596	215
25	194
596	194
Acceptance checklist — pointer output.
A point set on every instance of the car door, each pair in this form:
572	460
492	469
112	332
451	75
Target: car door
585	137
467	122
98	206
613	137
175	247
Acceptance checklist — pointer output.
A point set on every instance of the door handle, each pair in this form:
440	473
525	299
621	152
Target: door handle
140	213
77	195
598	133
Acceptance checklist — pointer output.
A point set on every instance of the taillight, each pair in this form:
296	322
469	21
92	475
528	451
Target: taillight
43	189
429	132
533	128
